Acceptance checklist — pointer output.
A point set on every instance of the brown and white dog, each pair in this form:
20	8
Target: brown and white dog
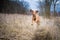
35	16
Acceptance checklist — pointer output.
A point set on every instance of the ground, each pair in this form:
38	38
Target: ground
18	27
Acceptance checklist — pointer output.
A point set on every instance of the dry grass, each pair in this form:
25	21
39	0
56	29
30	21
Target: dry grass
18	27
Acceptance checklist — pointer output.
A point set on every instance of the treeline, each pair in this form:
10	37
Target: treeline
11	6
46	8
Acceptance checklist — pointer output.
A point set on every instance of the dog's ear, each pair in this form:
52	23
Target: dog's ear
37	11
31	10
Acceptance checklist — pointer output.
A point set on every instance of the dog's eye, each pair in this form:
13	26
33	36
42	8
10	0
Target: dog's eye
36	11
31	10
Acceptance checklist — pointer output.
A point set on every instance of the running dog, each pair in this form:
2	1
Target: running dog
35	16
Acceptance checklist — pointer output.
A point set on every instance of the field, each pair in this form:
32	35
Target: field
18	27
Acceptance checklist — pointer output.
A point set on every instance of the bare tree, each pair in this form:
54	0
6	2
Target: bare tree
41	8
47	7
54	3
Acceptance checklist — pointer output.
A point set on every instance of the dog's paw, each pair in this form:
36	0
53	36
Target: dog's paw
31	24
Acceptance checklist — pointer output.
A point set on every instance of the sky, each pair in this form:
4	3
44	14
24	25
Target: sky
57	6
33	4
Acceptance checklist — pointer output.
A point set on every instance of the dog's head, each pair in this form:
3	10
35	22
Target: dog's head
34	11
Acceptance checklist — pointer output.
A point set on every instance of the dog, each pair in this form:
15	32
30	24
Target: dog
35	16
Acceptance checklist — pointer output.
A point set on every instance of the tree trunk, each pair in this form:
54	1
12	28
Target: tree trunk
55	14
47	11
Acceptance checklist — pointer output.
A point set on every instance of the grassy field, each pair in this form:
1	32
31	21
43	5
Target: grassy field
18	27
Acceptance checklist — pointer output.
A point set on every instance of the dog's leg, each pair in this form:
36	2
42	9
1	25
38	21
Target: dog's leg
37	19
32	21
